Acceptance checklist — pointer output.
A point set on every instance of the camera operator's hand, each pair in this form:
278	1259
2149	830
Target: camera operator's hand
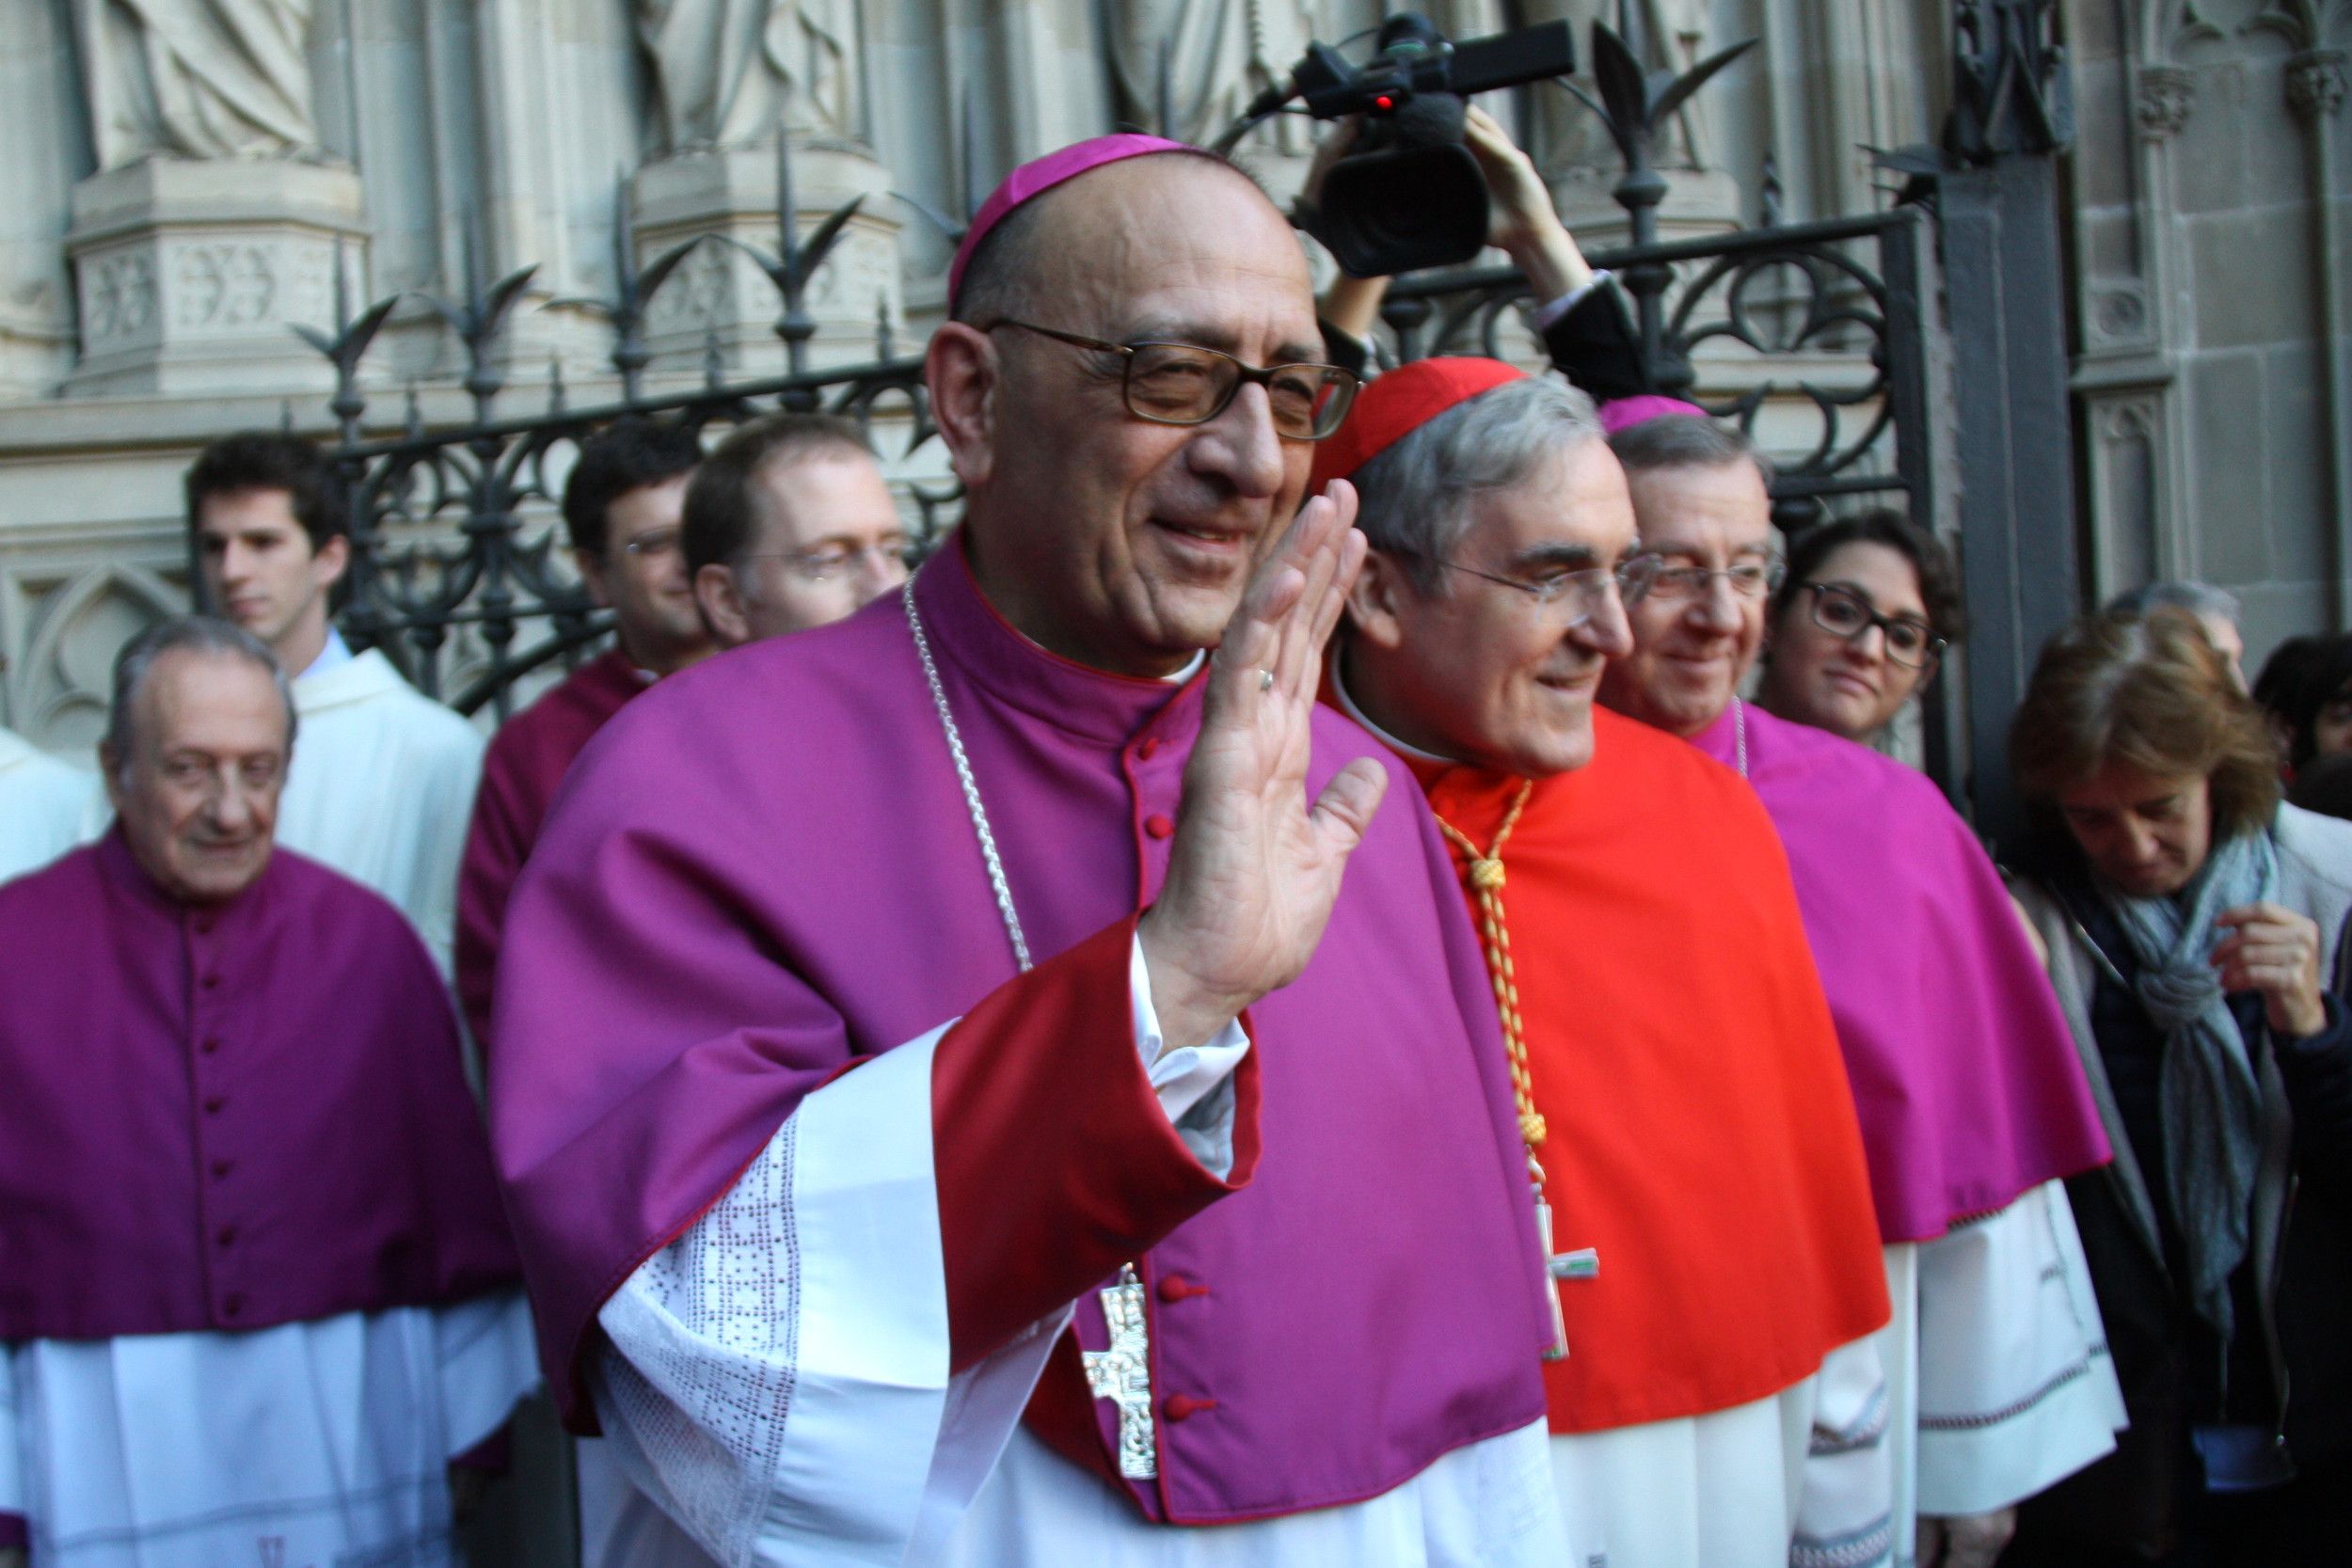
1524	224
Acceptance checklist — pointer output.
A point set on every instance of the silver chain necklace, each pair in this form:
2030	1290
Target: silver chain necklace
1739	736
1122	1373
997	879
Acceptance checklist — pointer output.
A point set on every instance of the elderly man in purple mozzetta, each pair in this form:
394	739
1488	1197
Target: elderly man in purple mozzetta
956	1009
255	1287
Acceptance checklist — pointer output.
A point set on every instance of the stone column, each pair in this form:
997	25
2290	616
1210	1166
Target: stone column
41	114
212	226
729	78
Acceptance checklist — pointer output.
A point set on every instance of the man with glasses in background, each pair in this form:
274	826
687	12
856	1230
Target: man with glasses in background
896	1014
1684	1111
621	509
789	525
1971	1099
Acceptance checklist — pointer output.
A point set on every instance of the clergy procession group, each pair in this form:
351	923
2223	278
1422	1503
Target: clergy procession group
1273	1005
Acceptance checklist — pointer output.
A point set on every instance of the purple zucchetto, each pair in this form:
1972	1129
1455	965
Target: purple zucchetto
1625	413
1037	176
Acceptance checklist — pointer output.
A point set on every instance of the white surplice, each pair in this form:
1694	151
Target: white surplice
381	789
321	1442
1998	1361
1801	1479
47	806
776	1386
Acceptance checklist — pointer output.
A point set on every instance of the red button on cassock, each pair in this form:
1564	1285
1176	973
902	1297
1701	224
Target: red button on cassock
1175	1288
1158	825
231	1304
211	1106
212	982
1150	749
212	1043
226	1236
222	1167
1183	1407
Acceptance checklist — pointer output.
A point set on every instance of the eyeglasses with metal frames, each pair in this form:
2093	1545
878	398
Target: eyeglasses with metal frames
654	541
1841	610
1629	580
1184	383
824	564
1750	579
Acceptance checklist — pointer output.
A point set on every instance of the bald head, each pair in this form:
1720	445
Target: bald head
1066	232
1114	540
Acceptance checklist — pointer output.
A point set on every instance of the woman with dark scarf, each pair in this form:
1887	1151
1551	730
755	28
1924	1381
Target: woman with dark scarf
2196	928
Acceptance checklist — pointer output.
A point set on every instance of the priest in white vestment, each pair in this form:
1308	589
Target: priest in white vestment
45	805
258	1291
384	785
951	1110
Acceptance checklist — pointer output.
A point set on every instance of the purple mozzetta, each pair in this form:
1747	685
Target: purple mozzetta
764	867
230	1115
1967	1084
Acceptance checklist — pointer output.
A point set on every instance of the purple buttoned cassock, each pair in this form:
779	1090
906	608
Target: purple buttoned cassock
763	869
228	1117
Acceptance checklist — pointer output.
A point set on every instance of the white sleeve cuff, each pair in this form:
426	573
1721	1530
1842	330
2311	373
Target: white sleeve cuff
1552	310
1194	1082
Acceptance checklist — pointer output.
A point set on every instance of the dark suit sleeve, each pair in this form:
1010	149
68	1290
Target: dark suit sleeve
2318	1074
1344	349
1595	347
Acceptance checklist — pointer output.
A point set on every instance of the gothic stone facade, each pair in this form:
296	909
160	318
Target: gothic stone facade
185	180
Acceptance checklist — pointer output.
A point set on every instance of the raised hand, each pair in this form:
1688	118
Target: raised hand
1253	870
1524	220
2273	950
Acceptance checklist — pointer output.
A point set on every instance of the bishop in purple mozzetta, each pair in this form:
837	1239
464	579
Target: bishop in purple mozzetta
959	1011
1971	1097
256	1288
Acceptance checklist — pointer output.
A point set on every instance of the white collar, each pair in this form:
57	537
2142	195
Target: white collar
334	653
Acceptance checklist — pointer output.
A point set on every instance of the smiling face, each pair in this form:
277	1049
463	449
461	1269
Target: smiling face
260	571
1108	539
2147	834
1690	654
1846	685
197	793
1485	673
642	575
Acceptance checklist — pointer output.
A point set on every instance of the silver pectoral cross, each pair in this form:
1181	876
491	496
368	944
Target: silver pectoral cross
1123	1374
1583	1263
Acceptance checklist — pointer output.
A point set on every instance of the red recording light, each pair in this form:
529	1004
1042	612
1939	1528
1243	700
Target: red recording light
1384	101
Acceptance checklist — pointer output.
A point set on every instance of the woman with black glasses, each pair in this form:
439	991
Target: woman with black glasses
1868	606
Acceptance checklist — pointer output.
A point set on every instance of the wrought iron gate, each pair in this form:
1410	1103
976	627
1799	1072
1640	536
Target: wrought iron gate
457	574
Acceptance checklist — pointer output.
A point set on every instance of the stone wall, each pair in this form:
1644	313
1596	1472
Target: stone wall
2210	193
183	190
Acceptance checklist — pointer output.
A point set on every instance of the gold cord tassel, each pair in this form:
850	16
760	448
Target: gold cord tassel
1485	876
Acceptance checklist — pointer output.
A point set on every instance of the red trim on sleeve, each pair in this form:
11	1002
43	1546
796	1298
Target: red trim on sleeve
1053	1159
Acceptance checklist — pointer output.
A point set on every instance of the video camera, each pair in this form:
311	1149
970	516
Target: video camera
1409	195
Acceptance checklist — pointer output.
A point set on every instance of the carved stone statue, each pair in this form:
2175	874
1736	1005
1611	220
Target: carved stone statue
1219	54
197	78
726	70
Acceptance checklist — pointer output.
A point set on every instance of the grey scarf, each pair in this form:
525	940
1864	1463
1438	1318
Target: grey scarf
2210	1100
